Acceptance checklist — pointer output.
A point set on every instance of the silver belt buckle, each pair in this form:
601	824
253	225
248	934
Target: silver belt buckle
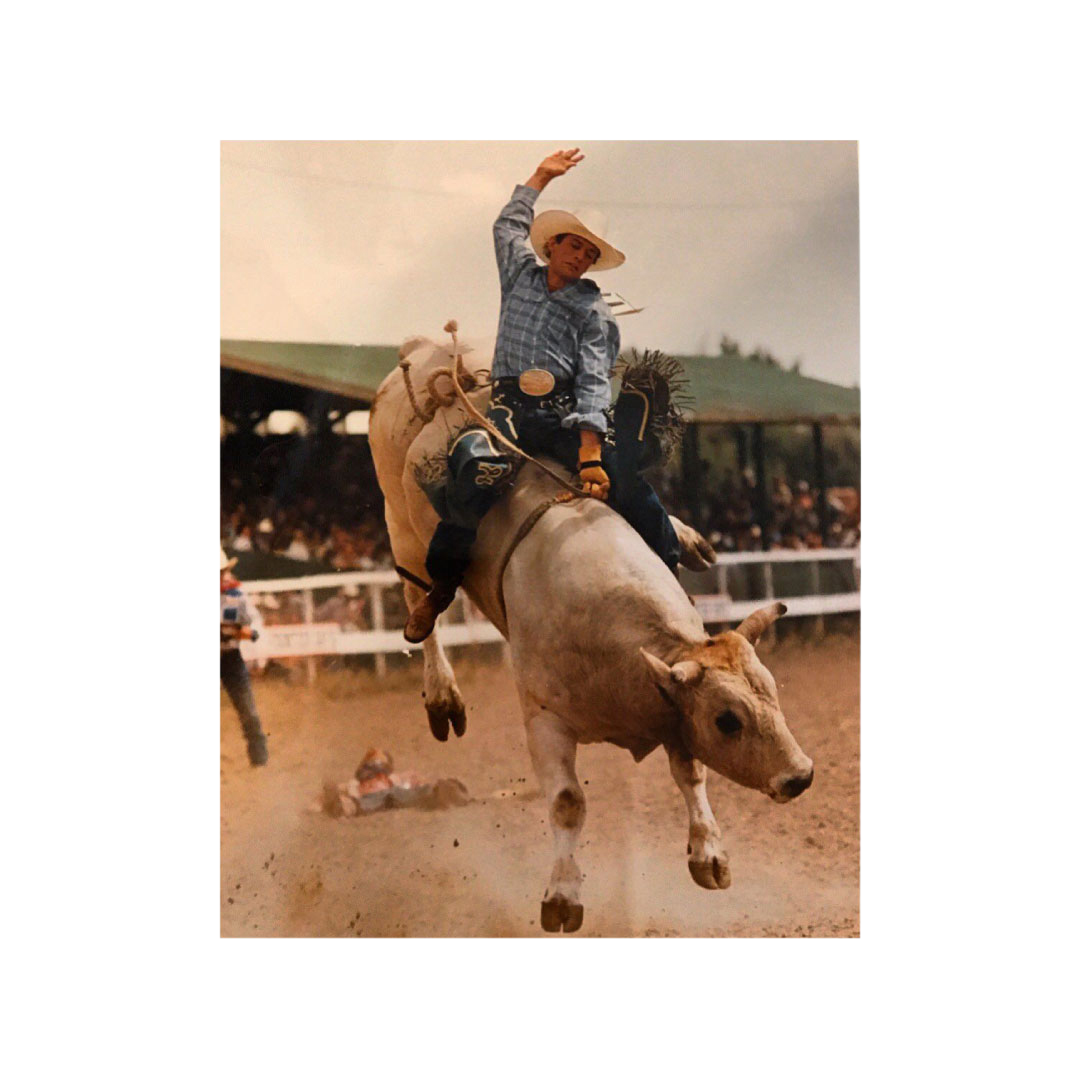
536	382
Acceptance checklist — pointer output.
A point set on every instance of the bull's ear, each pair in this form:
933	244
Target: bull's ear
753	626
684	673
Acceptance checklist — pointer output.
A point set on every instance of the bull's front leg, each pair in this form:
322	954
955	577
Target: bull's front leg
553	748
708	859
442	698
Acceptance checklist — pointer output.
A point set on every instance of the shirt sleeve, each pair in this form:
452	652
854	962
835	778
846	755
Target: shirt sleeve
513	252
234	608
592	384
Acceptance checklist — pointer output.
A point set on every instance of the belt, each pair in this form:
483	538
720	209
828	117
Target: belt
535	383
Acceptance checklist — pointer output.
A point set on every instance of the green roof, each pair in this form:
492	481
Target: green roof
724	389
352	370
728	388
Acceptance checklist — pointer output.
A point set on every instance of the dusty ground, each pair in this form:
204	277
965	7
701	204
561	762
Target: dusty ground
481	869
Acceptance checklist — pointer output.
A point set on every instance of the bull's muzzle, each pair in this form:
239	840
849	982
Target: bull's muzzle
793	786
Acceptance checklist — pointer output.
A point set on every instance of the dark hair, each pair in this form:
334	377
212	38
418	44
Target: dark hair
548	242
559	239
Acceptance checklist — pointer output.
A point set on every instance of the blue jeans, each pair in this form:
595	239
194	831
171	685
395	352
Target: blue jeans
237	682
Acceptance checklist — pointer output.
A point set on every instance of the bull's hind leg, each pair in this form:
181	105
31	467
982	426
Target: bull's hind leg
708	859
554	749
442	698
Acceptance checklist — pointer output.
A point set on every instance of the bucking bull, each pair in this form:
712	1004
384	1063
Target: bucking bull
605	644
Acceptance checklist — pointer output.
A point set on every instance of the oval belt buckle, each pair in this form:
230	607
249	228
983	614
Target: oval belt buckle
536	382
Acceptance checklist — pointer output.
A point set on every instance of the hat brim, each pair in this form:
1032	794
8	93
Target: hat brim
555	222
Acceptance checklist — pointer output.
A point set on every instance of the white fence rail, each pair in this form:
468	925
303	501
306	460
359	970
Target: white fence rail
719	607
310	638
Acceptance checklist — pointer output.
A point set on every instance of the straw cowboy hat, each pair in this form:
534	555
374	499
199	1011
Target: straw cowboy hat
588	224
226	562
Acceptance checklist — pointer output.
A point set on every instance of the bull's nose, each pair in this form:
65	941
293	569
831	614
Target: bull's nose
797	784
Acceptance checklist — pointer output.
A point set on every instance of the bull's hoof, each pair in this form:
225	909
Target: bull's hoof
439	723
457	720
444	714
711	873
696	553
558	913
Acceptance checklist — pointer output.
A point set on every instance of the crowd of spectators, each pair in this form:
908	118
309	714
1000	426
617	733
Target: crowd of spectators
318	501
728	509
310	501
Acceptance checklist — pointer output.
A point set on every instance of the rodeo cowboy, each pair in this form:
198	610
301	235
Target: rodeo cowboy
236	620
557	344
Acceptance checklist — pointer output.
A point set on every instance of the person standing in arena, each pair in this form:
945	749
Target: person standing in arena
236	620
557	344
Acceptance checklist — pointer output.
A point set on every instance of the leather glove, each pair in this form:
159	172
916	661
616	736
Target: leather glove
594	481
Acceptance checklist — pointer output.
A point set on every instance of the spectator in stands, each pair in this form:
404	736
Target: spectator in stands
298	548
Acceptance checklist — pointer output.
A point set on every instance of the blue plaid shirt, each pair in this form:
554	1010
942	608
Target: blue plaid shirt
570	332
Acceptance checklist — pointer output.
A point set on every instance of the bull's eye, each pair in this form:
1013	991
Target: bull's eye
728	723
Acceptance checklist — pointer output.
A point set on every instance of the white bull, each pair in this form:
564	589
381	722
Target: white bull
605	644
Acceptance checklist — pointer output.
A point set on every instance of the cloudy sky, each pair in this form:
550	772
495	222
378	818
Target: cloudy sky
366	243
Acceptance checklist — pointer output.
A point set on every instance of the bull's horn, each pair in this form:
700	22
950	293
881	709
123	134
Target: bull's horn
753	626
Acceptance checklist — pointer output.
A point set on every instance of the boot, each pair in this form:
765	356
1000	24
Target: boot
256	748
422	618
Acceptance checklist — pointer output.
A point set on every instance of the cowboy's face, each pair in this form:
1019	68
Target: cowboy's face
570	256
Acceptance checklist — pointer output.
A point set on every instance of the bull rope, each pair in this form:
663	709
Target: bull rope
523	530
457	370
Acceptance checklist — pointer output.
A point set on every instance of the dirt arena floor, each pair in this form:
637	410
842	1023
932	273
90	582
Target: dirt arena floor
480	870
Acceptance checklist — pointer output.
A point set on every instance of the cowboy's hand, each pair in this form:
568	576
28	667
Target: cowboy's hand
594	481
562	161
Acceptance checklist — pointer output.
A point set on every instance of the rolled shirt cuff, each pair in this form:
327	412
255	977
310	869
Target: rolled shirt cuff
523	191
590	421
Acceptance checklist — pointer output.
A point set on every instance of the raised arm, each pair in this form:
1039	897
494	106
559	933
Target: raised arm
512	250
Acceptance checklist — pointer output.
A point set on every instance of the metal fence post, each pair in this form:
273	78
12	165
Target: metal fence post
309	618
770	593
815	585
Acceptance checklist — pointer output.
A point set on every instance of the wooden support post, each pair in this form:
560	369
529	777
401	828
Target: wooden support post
740	449
378	622
762	508
691	475
309	618
819	481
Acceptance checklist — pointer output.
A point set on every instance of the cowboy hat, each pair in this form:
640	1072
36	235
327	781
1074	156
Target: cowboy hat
588	224
226	562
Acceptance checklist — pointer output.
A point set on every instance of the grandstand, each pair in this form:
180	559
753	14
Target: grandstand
735	398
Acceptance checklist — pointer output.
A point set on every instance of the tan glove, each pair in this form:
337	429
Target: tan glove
594	481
